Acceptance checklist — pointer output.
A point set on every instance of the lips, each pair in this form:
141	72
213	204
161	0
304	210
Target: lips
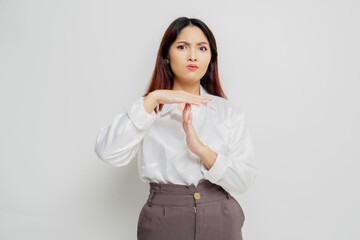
192	66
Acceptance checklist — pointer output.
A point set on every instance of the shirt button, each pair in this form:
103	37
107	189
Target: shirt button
197	196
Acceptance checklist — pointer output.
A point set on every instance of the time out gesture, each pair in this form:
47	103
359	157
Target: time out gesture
194	144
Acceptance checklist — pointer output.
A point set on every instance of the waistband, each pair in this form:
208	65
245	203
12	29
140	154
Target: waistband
185	195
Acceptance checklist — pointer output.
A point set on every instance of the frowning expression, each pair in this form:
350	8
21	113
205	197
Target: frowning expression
191	47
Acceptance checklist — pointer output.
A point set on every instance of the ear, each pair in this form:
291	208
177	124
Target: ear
167	59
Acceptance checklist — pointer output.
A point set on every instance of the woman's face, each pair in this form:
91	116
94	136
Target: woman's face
190	47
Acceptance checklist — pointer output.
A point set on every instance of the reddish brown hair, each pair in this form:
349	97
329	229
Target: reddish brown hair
162	77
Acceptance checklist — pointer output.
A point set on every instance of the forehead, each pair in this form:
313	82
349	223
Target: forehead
191	33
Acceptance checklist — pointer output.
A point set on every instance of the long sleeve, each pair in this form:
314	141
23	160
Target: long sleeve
118	142
235	170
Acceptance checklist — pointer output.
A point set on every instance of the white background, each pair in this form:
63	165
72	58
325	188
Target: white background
68	67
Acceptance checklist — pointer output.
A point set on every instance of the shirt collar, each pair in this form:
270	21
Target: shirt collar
167	107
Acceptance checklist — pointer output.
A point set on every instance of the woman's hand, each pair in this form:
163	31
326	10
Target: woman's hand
205	153
164	96
193	142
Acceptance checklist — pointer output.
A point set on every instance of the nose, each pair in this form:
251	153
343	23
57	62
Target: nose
192	56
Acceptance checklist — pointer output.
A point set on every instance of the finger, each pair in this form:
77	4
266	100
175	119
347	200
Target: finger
197	101
188	111
183	96
200	100
188	114
190	100
185	113
197	96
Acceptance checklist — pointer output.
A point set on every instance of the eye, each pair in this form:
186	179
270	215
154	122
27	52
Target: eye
180	46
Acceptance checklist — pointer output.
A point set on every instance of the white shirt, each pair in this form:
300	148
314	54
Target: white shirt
159	141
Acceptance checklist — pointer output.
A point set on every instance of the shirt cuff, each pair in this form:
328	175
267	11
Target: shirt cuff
217	171
139	116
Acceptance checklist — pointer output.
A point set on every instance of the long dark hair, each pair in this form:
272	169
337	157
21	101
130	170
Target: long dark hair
162	77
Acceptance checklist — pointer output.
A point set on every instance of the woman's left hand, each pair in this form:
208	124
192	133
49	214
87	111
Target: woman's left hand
192	139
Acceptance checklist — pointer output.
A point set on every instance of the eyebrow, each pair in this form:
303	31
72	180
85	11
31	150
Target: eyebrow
199	43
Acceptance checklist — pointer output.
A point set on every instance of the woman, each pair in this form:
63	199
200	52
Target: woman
193	145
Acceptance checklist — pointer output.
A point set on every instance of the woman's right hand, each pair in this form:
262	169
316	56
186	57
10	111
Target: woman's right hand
165	96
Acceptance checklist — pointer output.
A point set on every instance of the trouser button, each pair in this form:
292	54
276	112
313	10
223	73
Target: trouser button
197	196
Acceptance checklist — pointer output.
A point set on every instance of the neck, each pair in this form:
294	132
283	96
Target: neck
190	88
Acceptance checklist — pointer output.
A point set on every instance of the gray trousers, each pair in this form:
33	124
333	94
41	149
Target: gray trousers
186	212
